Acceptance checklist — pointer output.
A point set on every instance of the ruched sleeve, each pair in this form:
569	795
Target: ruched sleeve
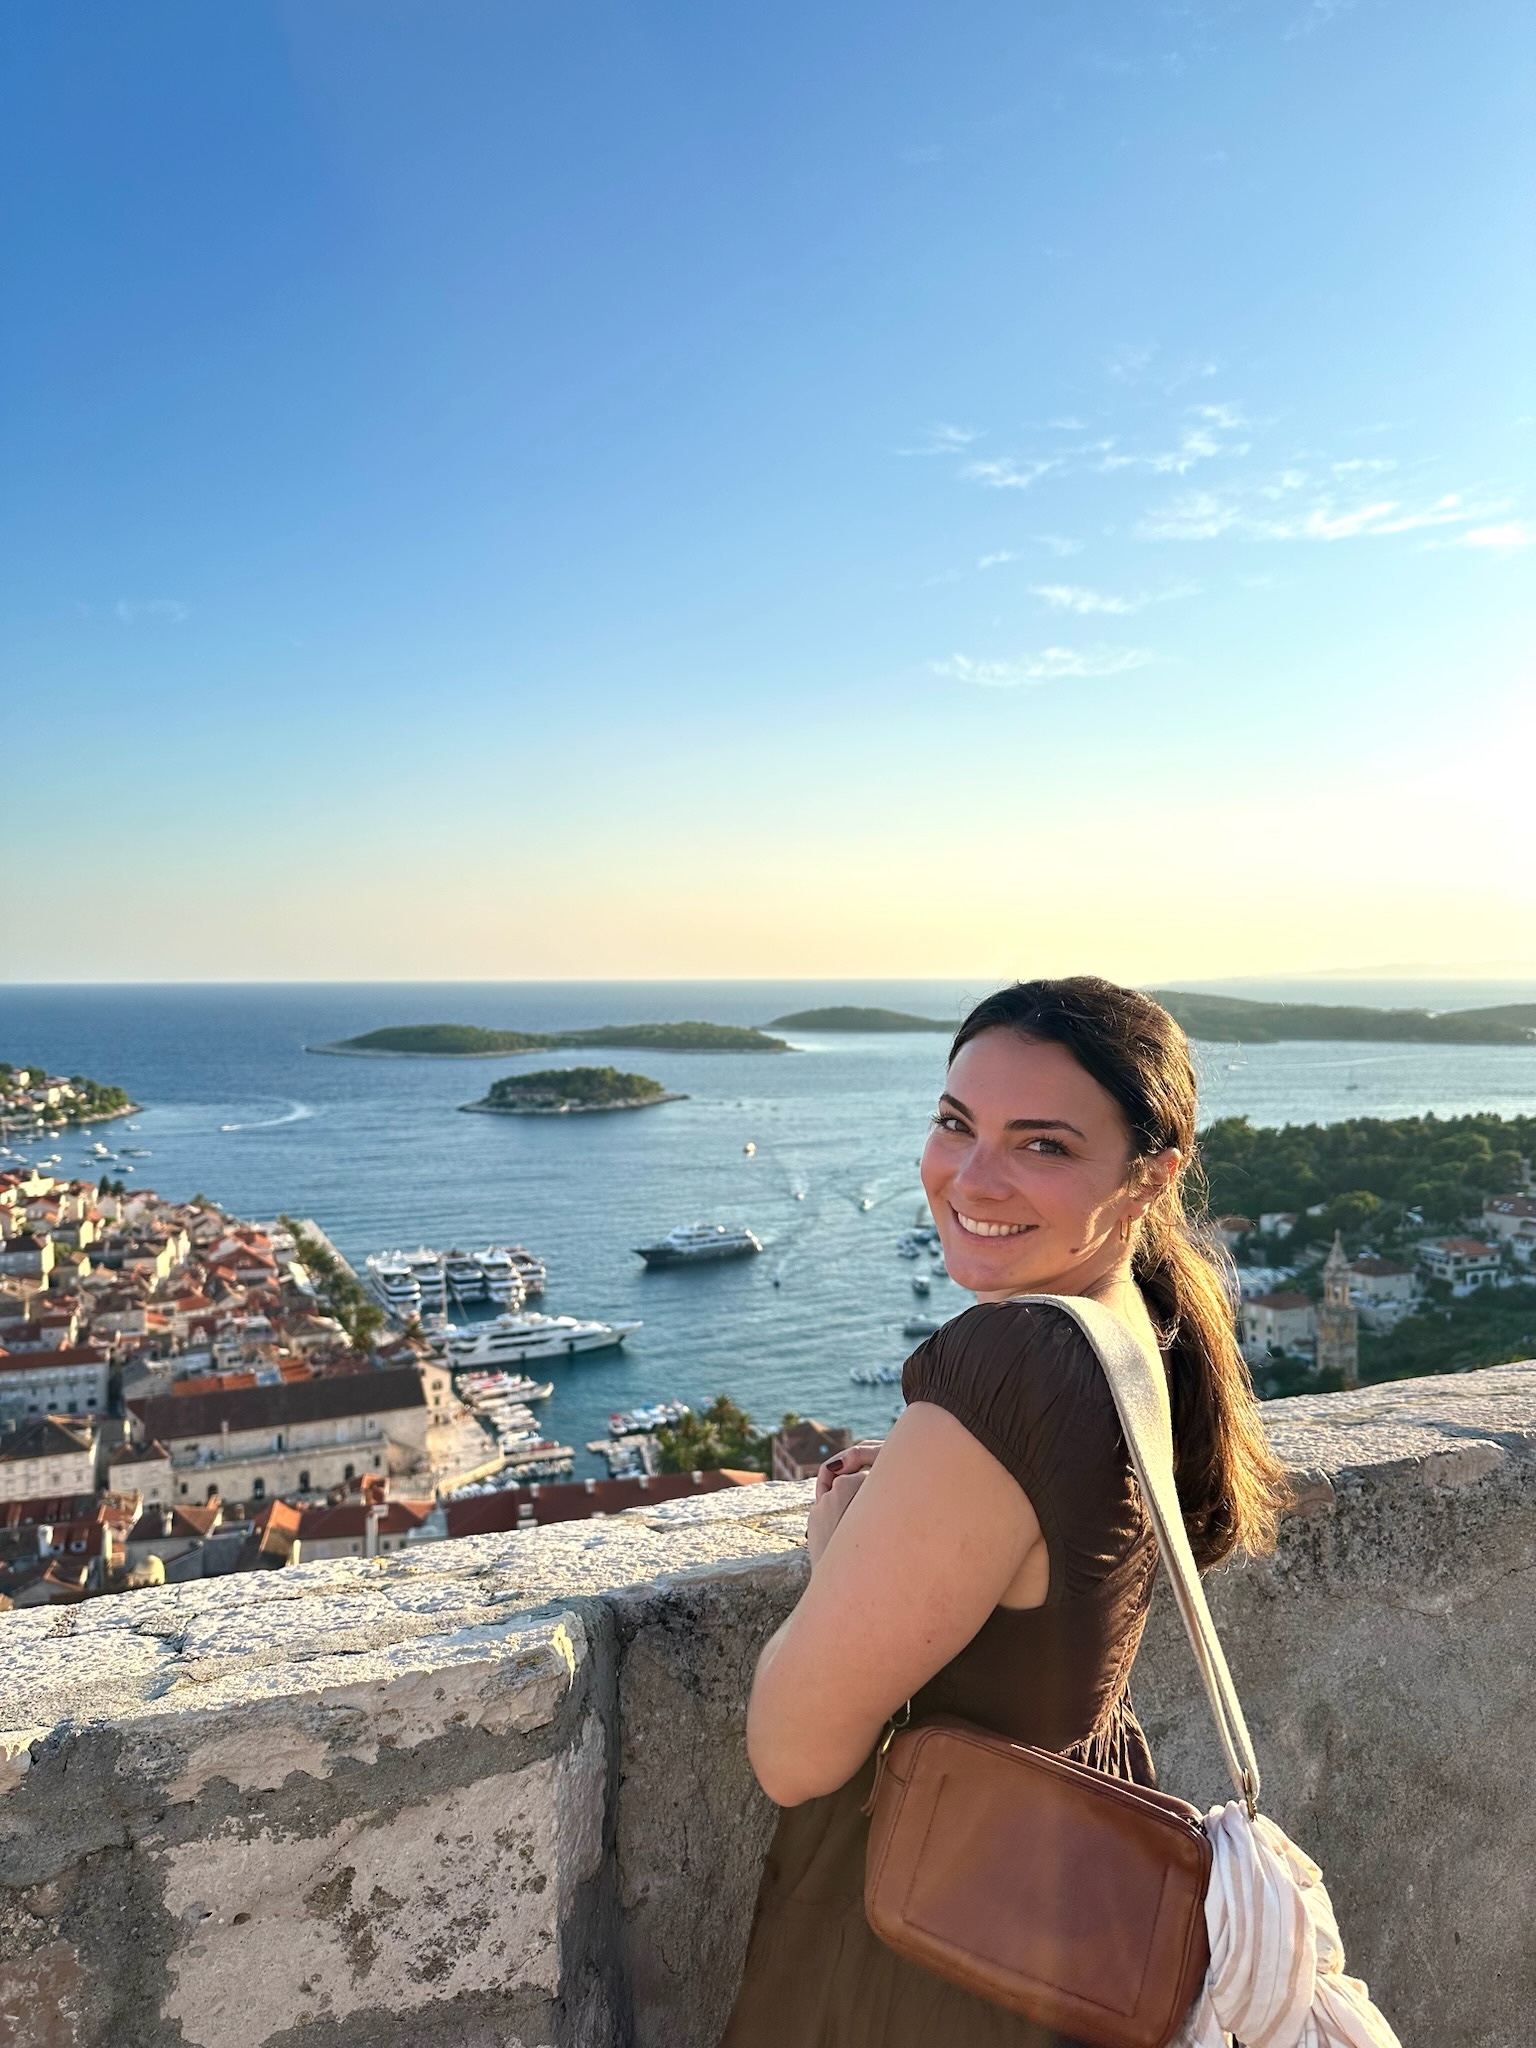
1027	1384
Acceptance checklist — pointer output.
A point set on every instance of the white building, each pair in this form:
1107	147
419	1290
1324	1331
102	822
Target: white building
64	1382
302	1436
1278	1322
44	1459
1465	1262
1511	1220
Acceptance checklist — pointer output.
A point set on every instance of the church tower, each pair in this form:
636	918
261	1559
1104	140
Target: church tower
1338	1324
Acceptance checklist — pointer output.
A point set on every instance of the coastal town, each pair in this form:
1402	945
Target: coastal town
179	1398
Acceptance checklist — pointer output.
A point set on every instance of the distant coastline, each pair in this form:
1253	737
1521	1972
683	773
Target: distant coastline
474	1041
1235	1020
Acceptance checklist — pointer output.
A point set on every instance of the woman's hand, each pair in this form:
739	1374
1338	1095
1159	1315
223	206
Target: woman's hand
829	1509
857	1458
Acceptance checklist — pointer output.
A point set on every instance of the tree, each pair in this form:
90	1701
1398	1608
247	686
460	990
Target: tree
337	1291
718	1438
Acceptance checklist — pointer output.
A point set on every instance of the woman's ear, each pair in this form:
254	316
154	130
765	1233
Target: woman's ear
1157	1172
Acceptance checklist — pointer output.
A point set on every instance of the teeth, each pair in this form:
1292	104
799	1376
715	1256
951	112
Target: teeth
978	1229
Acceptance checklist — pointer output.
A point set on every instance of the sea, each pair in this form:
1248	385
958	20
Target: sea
376	1152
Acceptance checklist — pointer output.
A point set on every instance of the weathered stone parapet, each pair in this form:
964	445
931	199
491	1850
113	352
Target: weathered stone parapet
493	1793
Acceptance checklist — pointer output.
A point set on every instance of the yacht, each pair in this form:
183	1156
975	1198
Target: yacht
509	1339
531	1271
428	1269
692	1243
465	1278
393	1279
876	1375
500	1279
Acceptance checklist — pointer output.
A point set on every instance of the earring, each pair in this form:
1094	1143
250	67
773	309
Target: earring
1125	1229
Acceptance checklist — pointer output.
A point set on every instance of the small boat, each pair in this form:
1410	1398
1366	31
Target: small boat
920	1326
921	1284
876	1375
866	1201
642	1421
749	1148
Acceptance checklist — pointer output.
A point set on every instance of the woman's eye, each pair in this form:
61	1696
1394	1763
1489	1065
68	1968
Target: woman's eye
1051	1147
946	1120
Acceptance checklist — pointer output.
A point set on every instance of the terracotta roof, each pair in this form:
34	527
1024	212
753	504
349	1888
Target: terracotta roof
488	1513
1372	1268
1468	1247
65	1507
349	1519
1284	1300
1510	1205
329	1399
66	1354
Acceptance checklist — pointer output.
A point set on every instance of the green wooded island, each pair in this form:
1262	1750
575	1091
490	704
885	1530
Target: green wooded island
1234	1019
564	1091
847	1017
475	1042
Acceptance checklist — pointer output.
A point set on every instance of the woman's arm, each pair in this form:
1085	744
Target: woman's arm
933	1535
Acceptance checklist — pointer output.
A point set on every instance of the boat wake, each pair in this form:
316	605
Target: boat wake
296	1113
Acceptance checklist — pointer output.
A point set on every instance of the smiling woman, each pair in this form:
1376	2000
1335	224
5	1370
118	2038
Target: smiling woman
992	1560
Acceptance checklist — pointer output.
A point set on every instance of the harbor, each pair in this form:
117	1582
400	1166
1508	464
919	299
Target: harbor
374	1151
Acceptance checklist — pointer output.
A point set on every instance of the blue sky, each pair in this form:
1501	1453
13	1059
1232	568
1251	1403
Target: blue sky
503	489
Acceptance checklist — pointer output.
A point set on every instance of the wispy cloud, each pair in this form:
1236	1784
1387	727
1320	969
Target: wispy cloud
1009	475
1204	437
945	439
1291	508
1049	665
1073	597
1317	14
996	561
1504	539
131	610
1059	543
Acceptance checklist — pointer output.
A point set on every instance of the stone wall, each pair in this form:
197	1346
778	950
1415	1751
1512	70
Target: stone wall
493	1794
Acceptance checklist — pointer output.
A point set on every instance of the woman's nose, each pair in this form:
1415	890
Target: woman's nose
984	1175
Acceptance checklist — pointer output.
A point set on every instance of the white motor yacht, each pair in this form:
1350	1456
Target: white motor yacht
511	1339
393	1279
695	1243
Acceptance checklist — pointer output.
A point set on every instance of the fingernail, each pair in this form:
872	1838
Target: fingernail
833	1465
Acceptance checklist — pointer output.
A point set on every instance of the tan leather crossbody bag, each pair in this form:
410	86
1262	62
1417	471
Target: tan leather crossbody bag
1069	1897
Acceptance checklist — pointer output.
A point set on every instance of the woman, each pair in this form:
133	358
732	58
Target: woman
992	1559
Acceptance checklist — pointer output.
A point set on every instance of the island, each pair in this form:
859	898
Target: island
848	1017
475	1042
1235	1020
566	1091
31	1096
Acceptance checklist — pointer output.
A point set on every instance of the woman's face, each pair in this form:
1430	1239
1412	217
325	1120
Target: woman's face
1027	1170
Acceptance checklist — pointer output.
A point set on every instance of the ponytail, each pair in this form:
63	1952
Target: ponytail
1231	1486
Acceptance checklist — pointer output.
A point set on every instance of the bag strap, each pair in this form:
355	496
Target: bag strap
1140	1388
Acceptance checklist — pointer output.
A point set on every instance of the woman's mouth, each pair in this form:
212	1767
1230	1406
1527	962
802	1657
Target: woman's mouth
973	1226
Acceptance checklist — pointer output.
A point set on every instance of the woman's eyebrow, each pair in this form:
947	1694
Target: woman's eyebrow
1021	1123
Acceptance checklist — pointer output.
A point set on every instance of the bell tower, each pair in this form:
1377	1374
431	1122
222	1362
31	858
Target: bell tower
1338	1323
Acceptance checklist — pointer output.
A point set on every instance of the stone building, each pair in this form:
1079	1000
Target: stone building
1338	1321
800	1450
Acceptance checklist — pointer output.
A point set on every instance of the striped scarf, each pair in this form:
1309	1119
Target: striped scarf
1277	1964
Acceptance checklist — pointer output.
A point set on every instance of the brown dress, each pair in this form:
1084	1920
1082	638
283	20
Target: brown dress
1026	1383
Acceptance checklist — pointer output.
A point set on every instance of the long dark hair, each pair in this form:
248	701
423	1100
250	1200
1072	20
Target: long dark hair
1231	1486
